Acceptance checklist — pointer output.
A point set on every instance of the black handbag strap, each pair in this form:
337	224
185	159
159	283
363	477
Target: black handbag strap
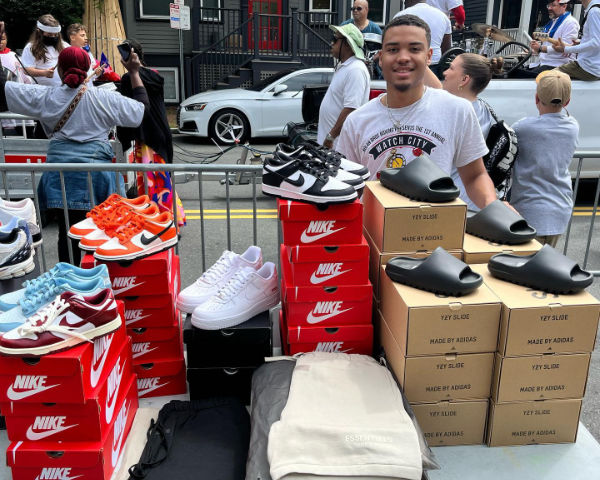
490	109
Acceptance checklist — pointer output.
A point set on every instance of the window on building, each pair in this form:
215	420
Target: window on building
511	13
171	86
154	9
210	10
320	6
377	11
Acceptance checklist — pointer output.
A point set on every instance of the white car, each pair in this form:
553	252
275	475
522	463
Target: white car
262	110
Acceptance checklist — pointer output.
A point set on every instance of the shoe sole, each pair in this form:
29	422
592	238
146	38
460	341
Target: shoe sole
188	307
77	237
137	255
234	320
414	197
89	248
286	194
65	344
511	279
18	270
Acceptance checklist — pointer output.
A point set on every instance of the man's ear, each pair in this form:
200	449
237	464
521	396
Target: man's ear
537	99
429	54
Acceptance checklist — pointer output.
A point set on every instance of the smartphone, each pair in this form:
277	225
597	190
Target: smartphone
125	50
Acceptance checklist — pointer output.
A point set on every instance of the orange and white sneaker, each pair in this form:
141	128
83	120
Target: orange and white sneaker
99	212
108	224
140	237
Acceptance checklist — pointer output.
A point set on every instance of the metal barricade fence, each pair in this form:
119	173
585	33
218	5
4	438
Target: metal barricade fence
203	173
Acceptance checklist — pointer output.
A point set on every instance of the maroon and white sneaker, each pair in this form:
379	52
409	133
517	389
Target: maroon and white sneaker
71	319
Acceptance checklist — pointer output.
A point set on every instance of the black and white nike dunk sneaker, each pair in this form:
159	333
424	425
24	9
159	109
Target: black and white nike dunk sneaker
287	153
303	178
336	159
16	255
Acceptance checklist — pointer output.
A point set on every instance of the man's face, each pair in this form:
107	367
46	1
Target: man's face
404	57
556	9
3	41
79	39
360	9
336	45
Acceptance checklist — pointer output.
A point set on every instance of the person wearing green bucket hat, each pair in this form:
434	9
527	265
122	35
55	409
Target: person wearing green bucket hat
349	87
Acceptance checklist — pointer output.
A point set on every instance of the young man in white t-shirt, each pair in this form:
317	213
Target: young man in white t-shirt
454	6
395	128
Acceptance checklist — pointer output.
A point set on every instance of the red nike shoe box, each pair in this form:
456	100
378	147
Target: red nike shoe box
63	422
152	344
70	376
324	266
149	311
339	339
147	276
163	377
307	224
86	460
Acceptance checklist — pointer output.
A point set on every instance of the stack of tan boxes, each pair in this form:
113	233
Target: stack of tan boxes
478	250
541	365
441	349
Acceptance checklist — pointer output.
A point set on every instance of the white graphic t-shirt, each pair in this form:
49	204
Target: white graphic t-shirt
439	124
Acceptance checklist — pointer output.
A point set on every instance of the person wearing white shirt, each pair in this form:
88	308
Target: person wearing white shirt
349	87
587	65
40	55
439	24
454	6
561	25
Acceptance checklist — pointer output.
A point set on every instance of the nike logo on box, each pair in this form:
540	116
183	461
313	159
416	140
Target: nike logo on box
148	240
31	435
315	279
307	238
14	396
312	319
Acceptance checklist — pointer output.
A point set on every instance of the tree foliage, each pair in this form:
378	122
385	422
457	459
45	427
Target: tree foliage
20	16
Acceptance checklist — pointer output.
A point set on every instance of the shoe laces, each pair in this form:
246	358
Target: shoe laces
219	268
40	296
330	158
41	281
314	166
134	225
233	287
115	218
106	206
43	320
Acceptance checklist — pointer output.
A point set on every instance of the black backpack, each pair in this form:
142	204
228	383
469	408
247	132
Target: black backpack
503	148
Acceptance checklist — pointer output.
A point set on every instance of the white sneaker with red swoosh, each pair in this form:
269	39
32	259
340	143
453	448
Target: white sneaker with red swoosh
248	293
68	321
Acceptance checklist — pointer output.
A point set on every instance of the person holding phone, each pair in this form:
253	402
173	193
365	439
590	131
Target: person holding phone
152	140
80	136
41	53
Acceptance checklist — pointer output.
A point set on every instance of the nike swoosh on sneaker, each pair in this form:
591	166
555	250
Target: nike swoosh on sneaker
148	240
315	280
312	319
308	238
296	183
95	374
31	435
116	291
12	395
141	393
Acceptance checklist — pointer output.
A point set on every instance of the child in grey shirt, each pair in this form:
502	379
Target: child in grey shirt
541	190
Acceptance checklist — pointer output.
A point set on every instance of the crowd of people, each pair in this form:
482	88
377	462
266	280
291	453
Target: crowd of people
404	123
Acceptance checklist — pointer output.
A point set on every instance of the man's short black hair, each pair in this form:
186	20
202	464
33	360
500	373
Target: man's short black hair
408	20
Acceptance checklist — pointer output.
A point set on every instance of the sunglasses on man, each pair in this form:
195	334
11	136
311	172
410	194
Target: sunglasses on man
335	39
356	9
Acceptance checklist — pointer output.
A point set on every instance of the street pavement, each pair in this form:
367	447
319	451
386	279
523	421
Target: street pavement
216	240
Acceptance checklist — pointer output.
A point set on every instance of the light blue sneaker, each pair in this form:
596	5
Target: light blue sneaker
15	222
10	300
31	303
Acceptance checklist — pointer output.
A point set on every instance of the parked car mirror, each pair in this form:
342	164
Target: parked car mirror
279	88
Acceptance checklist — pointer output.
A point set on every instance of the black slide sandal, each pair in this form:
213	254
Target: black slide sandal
500	224
439	273
420	180
546	270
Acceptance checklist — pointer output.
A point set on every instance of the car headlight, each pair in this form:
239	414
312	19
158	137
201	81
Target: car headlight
195	107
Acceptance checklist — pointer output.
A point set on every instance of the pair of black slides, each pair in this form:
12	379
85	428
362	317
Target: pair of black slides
441	273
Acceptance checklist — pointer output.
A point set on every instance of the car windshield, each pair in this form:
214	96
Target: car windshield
267	81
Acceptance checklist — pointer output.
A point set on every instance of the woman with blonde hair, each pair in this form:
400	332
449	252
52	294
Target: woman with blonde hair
40	55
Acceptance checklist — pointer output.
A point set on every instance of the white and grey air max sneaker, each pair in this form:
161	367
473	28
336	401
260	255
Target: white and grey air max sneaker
24	209
16	255
301	177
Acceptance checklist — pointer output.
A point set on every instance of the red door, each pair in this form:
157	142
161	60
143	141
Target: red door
269	33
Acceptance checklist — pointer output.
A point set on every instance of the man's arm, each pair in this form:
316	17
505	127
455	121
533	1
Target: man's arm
459	16
431	80
478	184
337	127
446	42
591	43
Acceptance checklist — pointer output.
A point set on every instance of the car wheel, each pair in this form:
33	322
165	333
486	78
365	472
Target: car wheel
228	126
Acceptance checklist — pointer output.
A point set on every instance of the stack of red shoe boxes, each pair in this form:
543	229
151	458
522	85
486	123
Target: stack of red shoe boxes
68	414
325	288
149	288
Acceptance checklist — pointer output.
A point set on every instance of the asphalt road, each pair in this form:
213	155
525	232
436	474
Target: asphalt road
241	235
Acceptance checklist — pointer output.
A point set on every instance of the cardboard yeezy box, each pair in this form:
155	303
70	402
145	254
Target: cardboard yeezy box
478	250
535	322
532	423
306	224
539	377
452	423
423	323
398	224
86	460
378	259
441	377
